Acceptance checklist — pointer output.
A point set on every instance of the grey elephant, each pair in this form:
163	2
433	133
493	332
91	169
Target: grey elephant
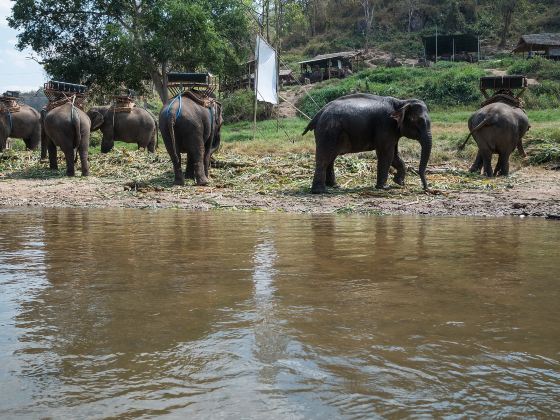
24	124
68	127
137	126
362	122
191	125
497	128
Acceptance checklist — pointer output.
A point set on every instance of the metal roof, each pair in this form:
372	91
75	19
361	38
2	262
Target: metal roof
537	41
286	72
321	57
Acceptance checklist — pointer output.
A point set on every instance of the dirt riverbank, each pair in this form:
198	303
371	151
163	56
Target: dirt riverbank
530	191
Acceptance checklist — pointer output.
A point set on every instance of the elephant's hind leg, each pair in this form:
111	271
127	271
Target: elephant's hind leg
53	161
330	176
189	171
83	151
503	164
69	156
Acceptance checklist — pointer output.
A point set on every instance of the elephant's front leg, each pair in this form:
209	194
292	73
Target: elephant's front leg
503	164
107	142
520	148
53	161
399	165
487	162
384	159
477	164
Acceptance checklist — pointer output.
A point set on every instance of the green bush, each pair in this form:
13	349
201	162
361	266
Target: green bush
239	106
539	68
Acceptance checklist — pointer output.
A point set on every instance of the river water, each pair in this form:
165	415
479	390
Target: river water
132	313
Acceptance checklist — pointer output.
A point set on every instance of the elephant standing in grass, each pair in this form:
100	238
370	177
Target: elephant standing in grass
68	127
137	126
497	128
24	124
189	125
362	122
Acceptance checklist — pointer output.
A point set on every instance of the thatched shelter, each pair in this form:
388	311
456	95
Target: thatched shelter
545	45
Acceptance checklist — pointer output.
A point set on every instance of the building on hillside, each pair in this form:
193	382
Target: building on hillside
328	66
543	45
461	47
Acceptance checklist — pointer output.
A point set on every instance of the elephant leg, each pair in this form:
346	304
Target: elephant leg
384	159
189	171
330	176
53	162
44	148
198	166
83	151
498	167
477	164
152	145
487	162
323	159
504	161
207	163
520	148
399	165
69	156
107	143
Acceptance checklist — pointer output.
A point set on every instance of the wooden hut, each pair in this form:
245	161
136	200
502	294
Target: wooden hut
545	45
328	66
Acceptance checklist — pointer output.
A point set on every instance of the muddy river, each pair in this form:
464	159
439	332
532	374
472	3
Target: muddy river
132	313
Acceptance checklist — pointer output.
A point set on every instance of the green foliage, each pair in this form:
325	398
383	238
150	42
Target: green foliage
537	67
239	106
110	44
544	147
446	84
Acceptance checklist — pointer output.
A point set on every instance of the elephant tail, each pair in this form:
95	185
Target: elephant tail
171	127
484	123
313	123
77	130
157	134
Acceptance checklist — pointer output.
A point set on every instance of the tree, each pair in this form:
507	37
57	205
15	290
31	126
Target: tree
111	43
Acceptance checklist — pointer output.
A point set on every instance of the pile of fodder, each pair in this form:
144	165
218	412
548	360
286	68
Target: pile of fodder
543	146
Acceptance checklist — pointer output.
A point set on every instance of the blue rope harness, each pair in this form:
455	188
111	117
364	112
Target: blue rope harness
178	113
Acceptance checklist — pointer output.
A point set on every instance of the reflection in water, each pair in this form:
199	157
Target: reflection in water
137	313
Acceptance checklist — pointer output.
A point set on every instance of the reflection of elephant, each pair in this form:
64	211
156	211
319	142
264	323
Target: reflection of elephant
68	128
497	128
136	126
24	124
189	127
360	122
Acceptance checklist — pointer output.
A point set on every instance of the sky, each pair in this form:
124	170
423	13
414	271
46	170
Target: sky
16	71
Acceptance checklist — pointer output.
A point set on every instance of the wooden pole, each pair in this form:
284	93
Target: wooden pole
256	84
453	56
436	42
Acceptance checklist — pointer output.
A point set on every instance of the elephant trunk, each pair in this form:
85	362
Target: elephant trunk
426	144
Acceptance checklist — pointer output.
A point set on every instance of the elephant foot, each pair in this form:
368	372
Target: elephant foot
318	189
179	181
202	183
53	168
72	173
382	187
399	180
86	173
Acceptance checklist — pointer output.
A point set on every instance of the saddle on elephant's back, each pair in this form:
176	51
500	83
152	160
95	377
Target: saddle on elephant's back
123	104
9	102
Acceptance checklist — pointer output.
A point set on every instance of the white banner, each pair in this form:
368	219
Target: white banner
266	76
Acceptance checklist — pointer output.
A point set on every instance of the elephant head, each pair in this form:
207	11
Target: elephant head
414	122
97	118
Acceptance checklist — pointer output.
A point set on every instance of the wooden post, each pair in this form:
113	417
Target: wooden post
255	90
453	56
436	42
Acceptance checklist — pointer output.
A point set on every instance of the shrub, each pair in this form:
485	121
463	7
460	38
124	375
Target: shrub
239	106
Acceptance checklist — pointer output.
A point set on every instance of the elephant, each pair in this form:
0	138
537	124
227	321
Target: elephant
187	126
24	124
497	128
362	122
68	127
137	126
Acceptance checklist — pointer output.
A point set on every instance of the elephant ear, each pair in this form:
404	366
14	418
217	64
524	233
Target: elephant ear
399	114
96	120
